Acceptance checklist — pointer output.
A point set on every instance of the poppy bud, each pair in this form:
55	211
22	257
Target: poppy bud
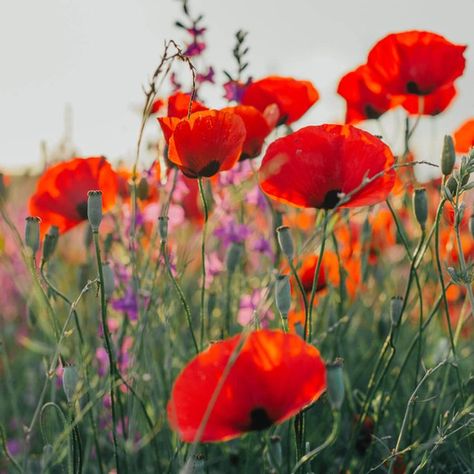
3	188
285	241
335	383
471	224
448	157
199	464
108	241
109	282
163	227
420	204
70	381
460	214
396	305
50	242
94	209
32	233
275	452
283	294
233	257
46	456
143	189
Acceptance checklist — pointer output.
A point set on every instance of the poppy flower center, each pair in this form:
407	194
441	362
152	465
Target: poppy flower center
413	88
259	419
81	209
331	199
210	169
371	113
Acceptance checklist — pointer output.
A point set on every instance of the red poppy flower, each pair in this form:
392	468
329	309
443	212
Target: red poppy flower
432	104
157	106
206	142
293	97
61	192
365	98
313	166
415	62
178	105
464	136
258	126
274	376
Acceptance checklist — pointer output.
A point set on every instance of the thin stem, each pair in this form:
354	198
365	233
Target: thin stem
203	259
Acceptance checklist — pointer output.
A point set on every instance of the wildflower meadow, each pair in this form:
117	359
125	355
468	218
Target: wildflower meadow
262	296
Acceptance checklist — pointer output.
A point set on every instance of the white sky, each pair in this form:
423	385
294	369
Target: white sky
96	54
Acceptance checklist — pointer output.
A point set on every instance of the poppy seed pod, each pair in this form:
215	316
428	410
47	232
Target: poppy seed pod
94	209
285	241
70	381
50	242
143	189
396	305
448	157
233	257
32	233
420	204
283	294
163	227
109	281
335	383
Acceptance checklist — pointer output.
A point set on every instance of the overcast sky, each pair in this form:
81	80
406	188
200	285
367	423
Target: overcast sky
96	54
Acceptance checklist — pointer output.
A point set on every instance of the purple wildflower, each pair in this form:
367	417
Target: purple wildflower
231	231
249	309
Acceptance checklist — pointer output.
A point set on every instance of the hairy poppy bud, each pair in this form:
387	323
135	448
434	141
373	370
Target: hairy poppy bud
275	452
233	257
70	381
3	188
32	233
50	242
420	204
460	214
143	189
285	241
448	157
163	227
109	281
283	294
335	383
396	305
46	456
94	209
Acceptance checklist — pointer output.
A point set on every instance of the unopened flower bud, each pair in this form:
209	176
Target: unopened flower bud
3	188
396	305
163	227
50	242
420	203
285	240
70	382
233	257
448	157
143	189
46	456
452	186
94	209
32	233
108	241
275	452
335	383
283	294
109	281
460	213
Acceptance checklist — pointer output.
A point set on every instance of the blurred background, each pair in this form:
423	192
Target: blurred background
72	72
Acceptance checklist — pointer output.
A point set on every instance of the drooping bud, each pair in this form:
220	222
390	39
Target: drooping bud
283	294
3	188
163	227
46	456
285	240
70	382
335	383
50	242
233	257
396	305
94	209
420	204
109	281
448	157
143	189
32	233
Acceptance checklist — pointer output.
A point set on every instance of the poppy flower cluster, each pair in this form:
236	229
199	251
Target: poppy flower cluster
318	165
60	198
415	69
282	375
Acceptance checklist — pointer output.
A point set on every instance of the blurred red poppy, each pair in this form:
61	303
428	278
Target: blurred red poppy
293	97
273	377
61	192
178	105
415	62
157	106
464	136
205	143
258	126
365	98
432	104
316	165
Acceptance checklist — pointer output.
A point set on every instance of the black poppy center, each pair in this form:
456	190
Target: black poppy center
413	88
210	169
81	209
371	112
331	199
259	419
